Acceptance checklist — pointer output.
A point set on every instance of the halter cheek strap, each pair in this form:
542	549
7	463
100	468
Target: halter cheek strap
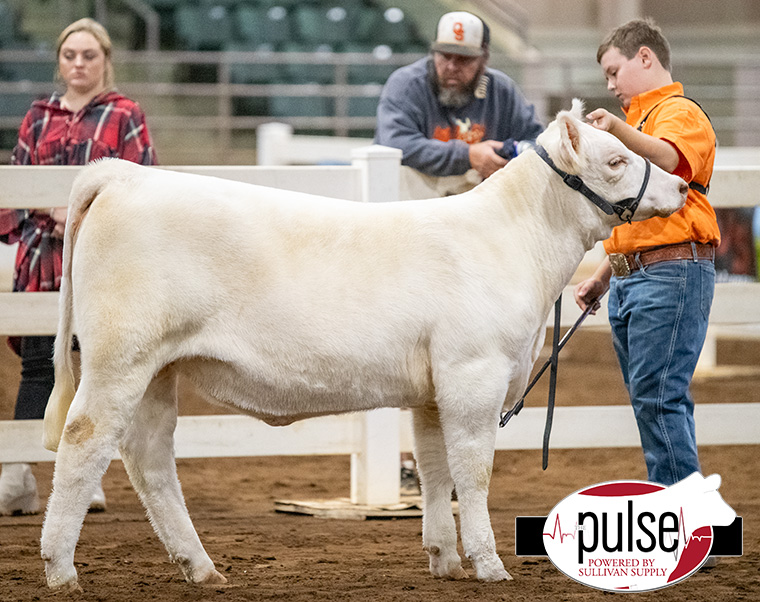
623	209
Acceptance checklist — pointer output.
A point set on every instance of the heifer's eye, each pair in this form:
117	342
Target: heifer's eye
617	163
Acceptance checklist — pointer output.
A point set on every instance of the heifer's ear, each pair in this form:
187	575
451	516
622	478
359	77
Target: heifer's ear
568	157
573	135
578	109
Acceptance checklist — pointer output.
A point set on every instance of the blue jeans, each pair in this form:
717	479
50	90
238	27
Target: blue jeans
659	320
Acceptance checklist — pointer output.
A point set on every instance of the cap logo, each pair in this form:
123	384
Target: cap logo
458	31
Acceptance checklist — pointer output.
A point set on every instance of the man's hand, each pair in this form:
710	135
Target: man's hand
484	159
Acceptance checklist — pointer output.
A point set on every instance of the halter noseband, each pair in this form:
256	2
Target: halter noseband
623	209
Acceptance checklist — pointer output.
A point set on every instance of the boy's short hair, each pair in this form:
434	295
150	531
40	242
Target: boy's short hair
631	36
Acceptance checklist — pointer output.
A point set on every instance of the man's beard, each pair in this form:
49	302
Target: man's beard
454	98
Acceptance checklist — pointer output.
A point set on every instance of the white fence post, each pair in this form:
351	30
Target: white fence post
381	168
376	469
270	137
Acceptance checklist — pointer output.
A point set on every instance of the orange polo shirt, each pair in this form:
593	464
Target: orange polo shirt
682	123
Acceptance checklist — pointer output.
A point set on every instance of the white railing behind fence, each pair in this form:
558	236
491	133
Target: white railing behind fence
373	439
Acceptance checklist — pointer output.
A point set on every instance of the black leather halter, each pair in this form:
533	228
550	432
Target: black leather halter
623	209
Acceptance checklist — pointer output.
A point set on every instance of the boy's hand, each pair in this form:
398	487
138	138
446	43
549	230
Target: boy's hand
602	119
659	151
588	291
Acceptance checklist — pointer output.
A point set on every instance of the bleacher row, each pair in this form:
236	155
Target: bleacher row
263	27
266	26
279	24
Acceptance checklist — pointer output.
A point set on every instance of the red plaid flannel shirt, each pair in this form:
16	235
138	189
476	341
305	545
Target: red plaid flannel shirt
110	126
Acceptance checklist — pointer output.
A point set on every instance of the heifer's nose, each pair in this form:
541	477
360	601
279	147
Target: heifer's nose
683	188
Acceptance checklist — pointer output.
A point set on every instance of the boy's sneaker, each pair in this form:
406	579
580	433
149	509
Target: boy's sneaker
18	490
98	502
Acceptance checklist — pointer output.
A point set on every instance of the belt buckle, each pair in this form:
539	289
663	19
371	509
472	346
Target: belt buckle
619	264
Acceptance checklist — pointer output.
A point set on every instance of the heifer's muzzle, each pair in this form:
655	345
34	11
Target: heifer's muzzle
623	209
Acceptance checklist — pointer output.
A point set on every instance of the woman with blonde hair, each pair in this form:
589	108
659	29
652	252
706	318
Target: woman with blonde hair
89	120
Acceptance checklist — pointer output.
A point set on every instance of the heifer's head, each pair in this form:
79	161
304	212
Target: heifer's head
622	184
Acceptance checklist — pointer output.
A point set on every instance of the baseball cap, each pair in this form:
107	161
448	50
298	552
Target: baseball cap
461	32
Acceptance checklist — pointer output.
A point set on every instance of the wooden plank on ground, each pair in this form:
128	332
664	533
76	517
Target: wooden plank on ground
342	508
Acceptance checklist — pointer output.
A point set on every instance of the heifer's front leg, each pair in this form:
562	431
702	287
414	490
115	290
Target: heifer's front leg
469	431
439	534
148	453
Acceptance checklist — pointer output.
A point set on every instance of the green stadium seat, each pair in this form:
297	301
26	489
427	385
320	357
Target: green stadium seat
254	73
370	74
203	27
165	4
262	24
286	3
250	106
15	104
303	73
42	70
362	106
326	24
300	106
389	26
7	24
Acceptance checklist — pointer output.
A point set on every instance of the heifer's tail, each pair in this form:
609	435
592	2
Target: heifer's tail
85	190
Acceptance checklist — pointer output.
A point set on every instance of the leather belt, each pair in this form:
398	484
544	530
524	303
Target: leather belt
623	265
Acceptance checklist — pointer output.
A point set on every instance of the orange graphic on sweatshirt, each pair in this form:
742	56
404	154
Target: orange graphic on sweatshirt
464	130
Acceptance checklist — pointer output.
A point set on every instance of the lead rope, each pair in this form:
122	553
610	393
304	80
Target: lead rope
552	382
553	361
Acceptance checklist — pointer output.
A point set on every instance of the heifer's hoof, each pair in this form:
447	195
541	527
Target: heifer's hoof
455	573
446	566
501	575
458	573
62	580
69	586
201	571
213	578
492	570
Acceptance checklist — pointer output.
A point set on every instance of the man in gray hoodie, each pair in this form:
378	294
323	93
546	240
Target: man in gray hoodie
449	112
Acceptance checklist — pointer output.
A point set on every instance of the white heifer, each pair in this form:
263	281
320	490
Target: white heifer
287	306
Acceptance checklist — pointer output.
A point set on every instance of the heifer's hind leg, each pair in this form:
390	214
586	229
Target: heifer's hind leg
148	453
95	423
469	420
439	533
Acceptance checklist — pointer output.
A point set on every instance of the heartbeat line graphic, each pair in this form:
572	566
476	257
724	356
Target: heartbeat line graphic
685	538
561	535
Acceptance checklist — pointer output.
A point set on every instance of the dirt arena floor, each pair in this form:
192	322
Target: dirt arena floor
266	555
